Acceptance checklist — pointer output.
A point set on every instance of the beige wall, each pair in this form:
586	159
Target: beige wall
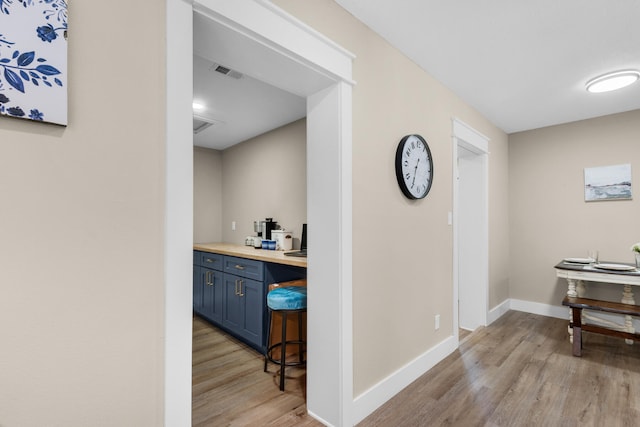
402	250
550	219
207	195
265	177
81	226
499	250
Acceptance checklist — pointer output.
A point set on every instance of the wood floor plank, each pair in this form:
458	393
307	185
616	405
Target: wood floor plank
520	371
229	387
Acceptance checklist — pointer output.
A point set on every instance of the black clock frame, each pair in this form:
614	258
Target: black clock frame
400	178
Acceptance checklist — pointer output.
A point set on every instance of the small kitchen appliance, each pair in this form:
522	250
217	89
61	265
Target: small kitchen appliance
284	239
267	226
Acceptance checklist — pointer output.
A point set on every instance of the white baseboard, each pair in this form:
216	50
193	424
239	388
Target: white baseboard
380	393
497	312
373	398
557	311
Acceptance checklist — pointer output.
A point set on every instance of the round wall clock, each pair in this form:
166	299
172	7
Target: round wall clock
414	166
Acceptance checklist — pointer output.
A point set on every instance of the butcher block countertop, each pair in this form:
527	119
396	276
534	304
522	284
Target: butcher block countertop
250	252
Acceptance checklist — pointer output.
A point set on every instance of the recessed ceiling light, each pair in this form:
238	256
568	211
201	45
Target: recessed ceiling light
613	81
197	106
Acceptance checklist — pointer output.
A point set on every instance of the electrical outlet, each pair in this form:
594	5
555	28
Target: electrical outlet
437	322
233	226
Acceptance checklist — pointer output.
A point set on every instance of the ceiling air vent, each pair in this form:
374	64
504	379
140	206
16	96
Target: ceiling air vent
201	123
226	71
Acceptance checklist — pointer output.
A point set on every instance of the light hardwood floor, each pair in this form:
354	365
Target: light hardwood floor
463	334
519	371
230	388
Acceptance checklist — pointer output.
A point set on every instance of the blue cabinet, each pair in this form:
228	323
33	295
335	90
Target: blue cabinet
249	268
243	310
197	287
212	261
207	285
212	294
230	292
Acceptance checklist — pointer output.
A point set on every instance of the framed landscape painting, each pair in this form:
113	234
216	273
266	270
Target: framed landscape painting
33	60
607	183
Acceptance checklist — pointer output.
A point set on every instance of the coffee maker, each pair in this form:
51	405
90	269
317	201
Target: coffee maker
267	226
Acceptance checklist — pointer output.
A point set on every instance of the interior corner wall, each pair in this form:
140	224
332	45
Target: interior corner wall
207	195
402	249
499	249
265	177
550	219
82	220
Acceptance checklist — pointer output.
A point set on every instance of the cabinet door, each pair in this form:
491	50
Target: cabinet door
197	288
232	303
212	295
243	311
253	315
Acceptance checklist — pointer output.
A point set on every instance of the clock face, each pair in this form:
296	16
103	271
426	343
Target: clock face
414	166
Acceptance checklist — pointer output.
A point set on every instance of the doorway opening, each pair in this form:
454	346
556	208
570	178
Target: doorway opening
295	58
471	230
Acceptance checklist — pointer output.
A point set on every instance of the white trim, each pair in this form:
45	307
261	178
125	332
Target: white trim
178	226
314	34
465	136
478	142
266	23
329	210
380	393
454	216
498	311
329	390
559	312
346	252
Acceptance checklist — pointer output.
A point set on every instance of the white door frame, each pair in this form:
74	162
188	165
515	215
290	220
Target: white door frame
467	137
329	199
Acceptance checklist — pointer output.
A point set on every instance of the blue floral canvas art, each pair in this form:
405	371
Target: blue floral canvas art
33	60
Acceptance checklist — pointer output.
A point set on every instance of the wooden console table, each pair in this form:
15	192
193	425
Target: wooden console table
576	276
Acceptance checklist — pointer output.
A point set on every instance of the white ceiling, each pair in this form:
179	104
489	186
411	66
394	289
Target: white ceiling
523	65
249	106
240	108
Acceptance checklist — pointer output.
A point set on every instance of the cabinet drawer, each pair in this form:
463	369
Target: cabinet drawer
248	268
213	261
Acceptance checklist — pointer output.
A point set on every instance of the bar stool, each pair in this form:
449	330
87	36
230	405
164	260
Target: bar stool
286	300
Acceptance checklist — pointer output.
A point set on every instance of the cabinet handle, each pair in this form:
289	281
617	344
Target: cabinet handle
240	294
236	287
210	278
209	260
240	267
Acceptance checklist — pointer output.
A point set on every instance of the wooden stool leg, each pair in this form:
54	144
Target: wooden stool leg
283	354
577	331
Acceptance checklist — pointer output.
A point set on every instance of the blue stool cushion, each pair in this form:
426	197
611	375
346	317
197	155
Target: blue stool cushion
288	298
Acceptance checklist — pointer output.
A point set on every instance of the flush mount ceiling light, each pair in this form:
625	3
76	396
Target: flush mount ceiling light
613	81
197	106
